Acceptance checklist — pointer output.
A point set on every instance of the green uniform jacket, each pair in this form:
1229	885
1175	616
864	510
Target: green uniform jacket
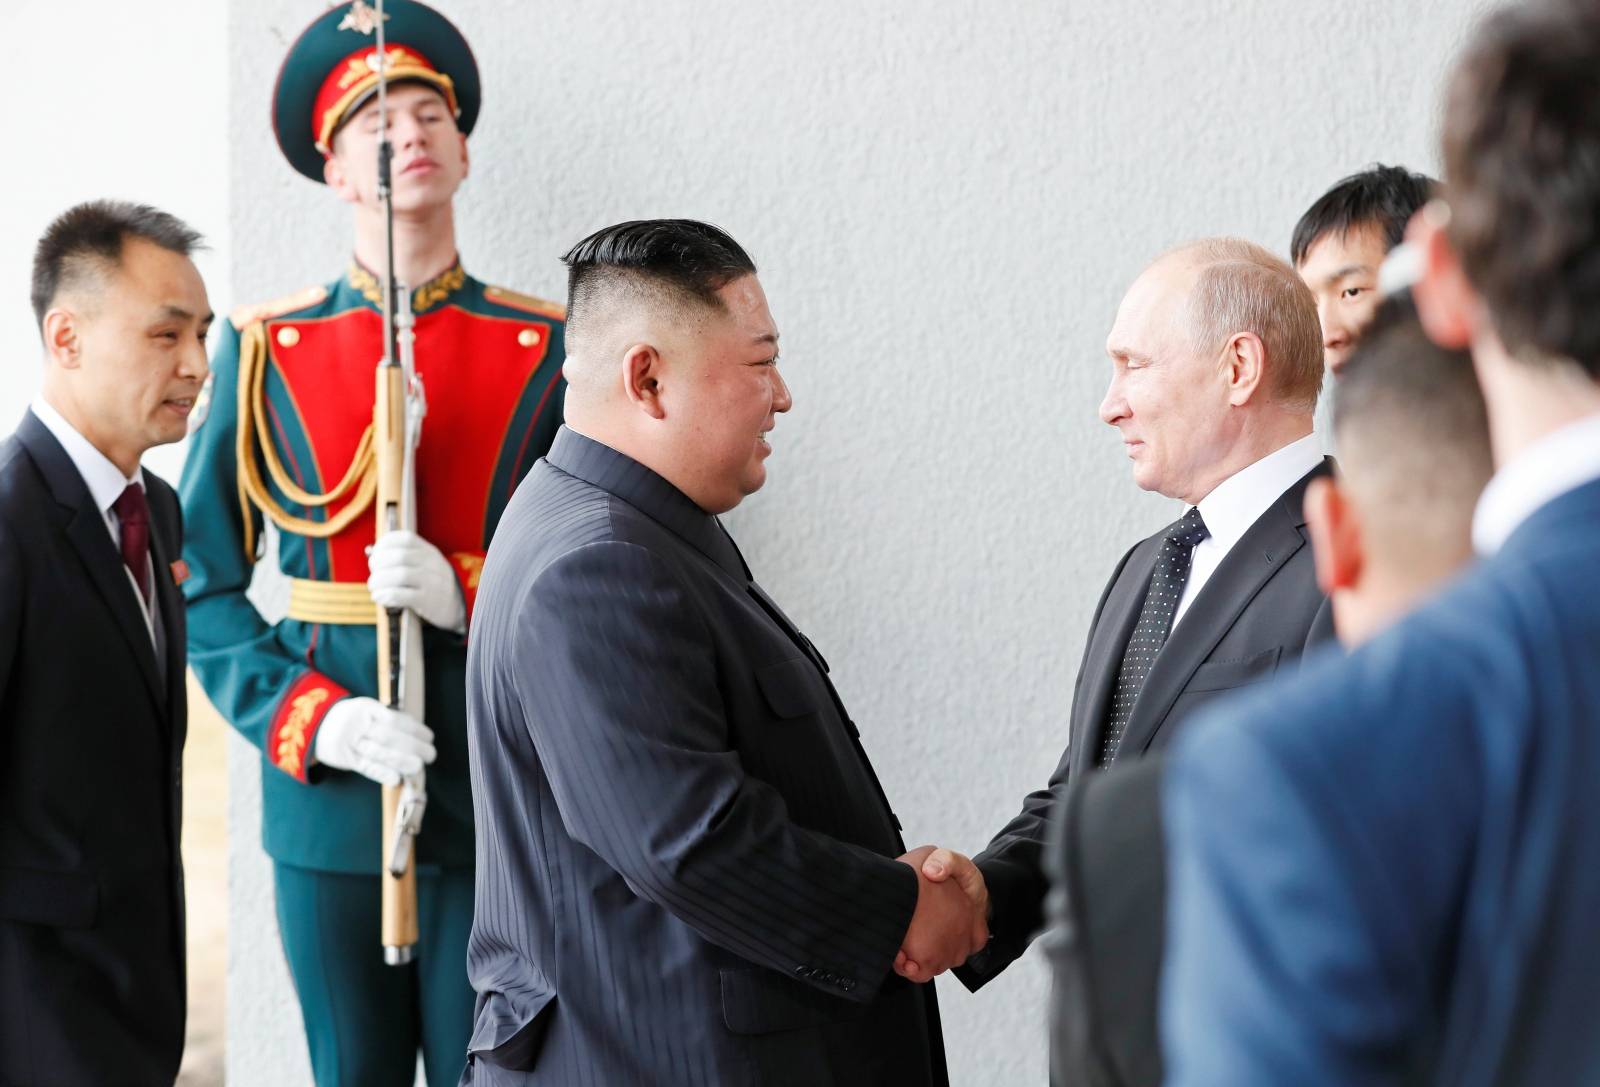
490	361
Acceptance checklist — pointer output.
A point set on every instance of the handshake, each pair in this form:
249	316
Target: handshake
951	921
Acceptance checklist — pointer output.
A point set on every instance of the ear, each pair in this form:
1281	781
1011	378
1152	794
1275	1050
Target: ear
641	379
62	338
1335	536
466	160
1245	365
1446	302
334	173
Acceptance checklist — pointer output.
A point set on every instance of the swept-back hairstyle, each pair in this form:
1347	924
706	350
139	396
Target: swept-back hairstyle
86	241
688	260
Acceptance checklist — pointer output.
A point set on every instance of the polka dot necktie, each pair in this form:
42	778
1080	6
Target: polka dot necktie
1155	621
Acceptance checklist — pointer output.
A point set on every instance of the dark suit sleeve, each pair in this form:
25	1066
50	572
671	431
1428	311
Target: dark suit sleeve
622	691
1013	862
11	591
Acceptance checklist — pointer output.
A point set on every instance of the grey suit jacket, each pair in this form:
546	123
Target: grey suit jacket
1260	609
684	859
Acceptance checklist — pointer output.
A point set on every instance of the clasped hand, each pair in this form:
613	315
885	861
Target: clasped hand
951	921
409	572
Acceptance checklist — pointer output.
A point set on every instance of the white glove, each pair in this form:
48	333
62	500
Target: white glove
409	572
364	735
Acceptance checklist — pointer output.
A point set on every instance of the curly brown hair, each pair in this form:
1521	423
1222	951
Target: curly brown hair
1522	175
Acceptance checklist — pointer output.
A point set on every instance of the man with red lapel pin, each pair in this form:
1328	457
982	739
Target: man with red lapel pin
288	447
92	705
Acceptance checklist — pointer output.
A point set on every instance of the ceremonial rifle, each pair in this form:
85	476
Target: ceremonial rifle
397	412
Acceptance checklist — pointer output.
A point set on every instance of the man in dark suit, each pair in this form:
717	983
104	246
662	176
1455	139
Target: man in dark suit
1387	871
1216	368
92	658
687	870
1413	442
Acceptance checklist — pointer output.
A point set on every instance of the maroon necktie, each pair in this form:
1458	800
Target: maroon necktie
132	510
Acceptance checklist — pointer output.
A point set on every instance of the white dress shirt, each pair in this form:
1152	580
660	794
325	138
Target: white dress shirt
106	484
1238	502
1537	476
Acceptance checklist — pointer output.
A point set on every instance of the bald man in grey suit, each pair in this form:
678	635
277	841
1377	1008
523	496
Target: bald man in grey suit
687	870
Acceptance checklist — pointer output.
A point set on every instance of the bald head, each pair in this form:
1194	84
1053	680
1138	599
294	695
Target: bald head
1216	362
1238	286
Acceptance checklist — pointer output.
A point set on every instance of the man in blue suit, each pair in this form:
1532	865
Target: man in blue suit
1388	870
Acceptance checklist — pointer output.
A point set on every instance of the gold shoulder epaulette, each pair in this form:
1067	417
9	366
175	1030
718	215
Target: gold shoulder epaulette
260	311
526	302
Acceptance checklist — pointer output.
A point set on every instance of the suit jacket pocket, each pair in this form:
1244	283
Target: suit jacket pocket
58	899
790	687
758	1001
508	1037
1224	675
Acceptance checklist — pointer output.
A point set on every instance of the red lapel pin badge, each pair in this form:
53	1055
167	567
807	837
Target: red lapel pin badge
180	572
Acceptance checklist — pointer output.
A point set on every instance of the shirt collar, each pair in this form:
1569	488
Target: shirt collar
423	298
650	493
1239	501
1546	470
104	479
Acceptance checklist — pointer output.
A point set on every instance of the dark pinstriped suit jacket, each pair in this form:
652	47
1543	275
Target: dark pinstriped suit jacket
684	870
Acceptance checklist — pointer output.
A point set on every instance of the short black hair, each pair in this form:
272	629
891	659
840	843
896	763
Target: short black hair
1382	196
1522	174
691	259
85	240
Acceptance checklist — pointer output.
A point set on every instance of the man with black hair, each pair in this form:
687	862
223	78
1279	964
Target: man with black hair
687	871
92	707
1387	871
1340	242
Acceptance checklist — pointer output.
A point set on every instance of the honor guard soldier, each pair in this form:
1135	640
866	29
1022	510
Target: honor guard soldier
289	446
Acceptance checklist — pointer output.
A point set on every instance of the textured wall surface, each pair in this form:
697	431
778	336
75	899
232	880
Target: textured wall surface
946	200
84	132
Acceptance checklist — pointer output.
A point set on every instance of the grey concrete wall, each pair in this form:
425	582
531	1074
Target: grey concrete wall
946	200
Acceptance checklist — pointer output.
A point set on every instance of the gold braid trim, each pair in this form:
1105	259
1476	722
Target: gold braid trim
254	433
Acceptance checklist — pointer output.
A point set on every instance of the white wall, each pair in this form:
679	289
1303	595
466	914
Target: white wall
946	200
108	99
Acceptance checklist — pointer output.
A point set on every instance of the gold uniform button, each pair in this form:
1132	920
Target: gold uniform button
528	337
288	336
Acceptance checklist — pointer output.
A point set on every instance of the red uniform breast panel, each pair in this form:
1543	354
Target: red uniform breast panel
474	371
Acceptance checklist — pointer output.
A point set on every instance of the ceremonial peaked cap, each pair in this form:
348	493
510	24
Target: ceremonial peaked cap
332	69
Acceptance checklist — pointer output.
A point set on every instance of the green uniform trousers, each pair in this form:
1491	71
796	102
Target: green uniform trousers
365	1021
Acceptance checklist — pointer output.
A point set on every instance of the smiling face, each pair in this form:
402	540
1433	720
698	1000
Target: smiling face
1169	400
1342	272
724	396
430	153
129	352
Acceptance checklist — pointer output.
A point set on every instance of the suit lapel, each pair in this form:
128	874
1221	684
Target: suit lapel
1258	555
1103	658
86	530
